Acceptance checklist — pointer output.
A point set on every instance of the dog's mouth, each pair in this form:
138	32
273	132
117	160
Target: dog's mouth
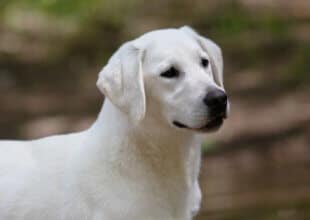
212	125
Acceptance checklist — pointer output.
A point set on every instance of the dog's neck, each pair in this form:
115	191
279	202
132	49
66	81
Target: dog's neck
153	164
159	144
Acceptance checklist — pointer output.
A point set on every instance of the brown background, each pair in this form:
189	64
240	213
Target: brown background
256	167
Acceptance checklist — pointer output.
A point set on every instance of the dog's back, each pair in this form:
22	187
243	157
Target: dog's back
32	176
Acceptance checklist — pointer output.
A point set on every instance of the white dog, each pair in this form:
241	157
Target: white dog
140	159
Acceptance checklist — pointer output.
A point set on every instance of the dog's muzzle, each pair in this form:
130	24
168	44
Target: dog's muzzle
216	102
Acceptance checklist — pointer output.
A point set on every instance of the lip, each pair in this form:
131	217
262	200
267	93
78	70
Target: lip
212	125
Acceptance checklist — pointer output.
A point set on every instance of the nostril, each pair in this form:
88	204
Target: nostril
215	98
223	99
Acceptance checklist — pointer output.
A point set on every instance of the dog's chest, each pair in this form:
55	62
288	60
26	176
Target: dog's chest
139	187
146	199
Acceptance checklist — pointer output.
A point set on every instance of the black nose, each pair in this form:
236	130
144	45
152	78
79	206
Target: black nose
215	98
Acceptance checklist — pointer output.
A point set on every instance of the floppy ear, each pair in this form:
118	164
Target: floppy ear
121	81
214	51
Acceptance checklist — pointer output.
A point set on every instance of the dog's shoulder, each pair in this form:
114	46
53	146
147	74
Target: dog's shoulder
28	156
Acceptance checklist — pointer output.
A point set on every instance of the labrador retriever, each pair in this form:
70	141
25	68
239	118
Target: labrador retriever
140	159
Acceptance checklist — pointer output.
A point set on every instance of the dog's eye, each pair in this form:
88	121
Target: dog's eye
204	62
170	73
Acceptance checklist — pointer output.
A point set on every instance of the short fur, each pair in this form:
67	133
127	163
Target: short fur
132	163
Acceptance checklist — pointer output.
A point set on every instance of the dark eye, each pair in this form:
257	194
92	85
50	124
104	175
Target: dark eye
170	73
204	62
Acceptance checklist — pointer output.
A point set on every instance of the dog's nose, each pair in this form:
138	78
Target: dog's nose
216	98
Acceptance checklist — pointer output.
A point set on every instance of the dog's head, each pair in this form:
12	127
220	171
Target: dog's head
173	75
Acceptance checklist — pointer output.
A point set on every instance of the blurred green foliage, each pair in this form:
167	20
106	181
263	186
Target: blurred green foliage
78	10
233	19
207	147
259	39
300	64
64	7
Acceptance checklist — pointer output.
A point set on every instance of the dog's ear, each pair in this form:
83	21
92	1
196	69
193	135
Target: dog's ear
214	51
121	81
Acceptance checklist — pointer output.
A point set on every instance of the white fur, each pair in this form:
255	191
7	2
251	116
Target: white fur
132	163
